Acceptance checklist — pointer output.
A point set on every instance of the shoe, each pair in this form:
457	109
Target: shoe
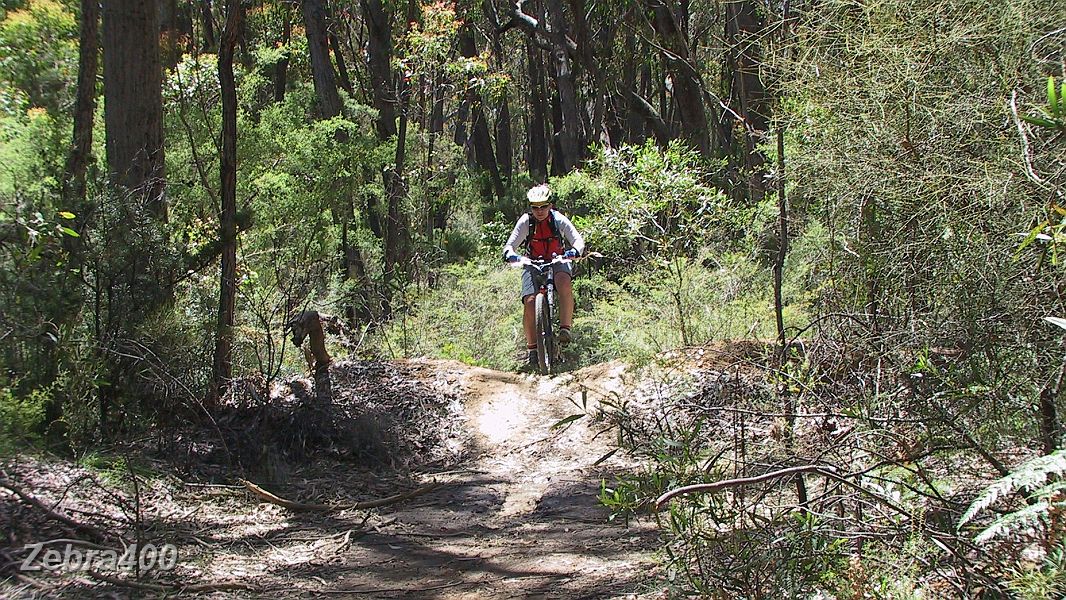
531	365
565	337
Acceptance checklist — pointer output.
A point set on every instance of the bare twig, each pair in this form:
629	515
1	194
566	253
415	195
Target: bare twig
707	488
1027	154
314	507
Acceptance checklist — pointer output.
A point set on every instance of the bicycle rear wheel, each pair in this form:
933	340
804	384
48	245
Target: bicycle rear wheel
545	339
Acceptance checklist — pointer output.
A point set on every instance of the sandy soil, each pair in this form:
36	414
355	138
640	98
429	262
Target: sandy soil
521	518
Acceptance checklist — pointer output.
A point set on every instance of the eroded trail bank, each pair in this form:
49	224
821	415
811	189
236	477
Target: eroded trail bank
516	515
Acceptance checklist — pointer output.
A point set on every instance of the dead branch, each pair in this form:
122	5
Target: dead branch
314	507
707	488
95	533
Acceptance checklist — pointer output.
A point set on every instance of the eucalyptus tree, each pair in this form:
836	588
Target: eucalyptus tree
133	107
222	370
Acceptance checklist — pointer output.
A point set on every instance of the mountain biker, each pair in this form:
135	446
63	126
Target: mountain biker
545	233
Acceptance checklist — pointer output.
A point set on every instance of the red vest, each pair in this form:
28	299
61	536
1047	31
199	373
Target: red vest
543	243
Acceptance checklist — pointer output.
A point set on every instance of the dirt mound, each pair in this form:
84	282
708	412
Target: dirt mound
382	415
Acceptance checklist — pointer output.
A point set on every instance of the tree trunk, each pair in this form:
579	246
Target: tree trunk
557	165
569	132
743	30
133	101
282	68
462	115
222	371
379	58
634	125
537	145
479	129
84	108
170	33
353	265
687	88
504	148
379	55
591	122
207	20
329	101
342	68
397	234
74	195
641	107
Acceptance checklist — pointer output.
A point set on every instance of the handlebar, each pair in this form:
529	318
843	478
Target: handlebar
525	260
532	262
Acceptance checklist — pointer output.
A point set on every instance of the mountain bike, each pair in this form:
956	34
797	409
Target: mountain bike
549	350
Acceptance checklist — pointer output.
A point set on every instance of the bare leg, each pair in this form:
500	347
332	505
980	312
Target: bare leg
565	289
529	320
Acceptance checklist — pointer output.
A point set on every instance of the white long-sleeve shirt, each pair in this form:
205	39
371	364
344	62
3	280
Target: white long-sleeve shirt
571	237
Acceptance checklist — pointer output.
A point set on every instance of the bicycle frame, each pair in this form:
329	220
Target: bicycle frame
549	352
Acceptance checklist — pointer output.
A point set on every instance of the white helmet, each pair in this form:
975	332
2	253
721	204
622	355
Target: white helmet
539	195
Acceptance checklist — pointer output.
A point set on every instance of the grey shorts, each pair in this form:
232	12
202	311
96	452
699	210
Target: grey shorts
528	289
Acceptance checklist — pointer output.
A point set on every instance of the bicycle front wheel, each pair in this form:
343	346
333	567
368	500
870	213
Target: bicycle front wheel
545	339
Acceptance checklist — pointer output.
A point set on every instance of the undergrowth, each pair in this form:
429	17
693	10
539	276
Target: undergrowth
474	315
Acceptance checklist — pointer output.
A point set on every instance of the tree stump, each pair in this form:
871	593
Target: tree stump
308	324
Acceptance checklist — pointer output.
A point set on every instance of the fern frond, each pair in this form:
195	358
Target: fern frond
1028	476
1013	521
1049	490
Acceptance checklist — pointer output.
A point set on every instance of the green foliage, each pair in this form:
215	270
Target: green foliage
1053	116
38	58
474	316
114	470
22	417
641	202
32	149
1046	581
1032	477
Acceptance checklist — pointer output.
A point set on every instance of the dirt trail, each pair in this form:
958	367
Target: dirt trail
521	519
517	515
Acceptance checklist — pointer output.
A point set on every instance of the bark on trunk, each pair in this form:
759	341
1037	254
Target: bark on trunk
354	266
479	129
207	21
133	107
386	96
687	88
569	132
504	148
461	137
642	108
379	55
538	145
281	69
342	69
634	125
170	32
329	101
743	29
223	362
84	108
